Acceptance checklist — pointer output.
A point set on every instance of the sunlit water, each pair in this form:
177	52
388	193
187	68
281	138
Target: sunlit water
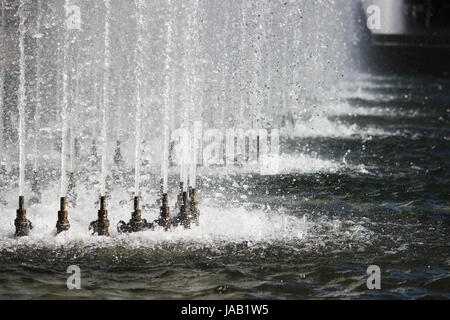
363	180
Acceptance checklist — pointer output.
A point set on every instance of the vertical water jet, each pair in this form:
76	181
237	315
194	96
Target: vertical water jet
118	158
164	219
71	189
73	140
93	154
65	109
106	96
36	194
118	173
244	74
23	225
22	97
2	95
139	61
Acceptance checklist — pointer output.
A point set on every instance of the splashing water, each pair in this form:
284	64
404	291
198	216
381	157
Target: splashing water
361	156
22	98
139	56
106	97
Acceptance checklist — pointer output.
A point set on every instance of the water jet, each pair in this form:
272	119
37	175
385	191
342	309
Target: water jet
36	193
118	158
71	189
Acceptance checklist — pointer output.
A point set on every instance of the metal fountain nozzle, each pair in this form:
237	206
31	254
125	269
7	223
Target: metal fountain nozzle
136	222
164	217
193	205
101	225
137	211
63	222
23	225
184	217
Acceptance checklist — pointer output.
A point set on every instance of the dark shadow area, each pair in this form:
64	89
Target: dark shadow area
423	50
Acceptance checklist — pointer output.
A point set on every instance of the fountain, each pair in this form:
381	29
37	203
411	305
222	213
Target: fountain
2	94
153	99
64	131
137	223
36	193
101	225
23	225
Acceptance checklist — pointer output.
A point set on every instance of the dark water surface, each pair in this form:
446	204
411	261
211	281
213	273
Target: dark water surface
377	195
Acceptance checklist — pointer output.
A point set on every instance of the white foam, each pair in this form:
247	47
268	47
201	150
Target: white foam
343	108
302	163
323	127
234	225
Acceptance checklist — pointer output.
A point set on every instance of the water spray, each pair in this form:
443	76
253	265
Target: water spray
36	194
22	99
164	215
62	222
106	96
23	225
179	202
136	222
71	189
117	174
118	158
2	173
35	190
2	80
93	156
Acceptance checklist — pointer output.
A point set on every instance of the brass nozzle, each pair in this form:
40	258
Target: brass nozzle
137	212
63	222
102	203
193	205
184	217
22	203
136	222
62	204
101	226
23	225
164	217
